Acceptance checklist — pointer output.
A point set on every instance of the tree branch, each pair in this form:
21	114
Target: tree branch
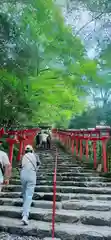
86	24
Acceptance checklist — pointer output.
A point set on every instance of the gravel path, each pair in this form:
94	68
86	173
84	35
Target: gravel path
6	236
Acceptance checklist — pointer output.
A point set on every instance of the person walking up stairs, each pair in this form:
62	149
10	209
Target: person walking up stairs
29	168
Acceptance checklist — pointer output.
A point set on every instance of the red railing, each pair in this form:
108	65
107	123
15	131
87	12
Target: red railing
73	140
54	197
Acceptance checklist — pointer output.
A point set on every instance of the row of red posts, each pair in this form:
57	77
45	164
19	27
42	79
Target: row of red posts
74	138
20	137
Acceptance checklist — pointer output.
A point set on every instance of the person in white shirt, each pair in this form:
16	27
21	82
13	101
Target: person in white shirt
43	139
29	168
5	169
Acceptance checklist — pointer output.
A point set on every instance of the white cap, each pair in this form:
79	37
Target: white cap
29	147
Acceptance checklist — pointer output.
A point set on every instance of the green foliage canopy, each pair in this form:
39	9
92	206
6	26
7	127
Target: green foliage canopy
42	64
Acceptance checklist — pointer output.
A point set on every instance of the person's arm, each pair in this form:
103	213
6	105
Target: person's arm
38	161
19	167
7	172
20	162
7	169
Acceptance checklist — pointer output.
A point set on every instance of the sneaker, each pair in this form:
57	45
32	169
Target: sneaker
25	220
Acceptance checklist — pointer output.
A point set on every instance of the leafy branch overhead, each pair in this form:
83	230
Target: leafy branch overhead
42	65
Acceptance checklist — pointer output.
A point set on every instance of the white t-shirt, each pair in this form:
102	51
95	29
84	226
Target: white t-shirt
29	162
43	137
4	160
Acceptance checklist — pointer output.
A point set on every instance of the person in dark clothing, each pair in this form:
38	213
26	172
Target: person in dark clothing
38	140
48	142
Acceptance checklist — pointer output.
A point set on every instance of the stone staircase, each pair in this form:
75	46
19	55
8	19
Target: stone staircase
83	207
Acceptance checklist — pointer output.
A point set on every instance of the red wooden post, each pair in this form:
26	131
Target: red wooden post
20	151
76	146
21	141
104	156
2	132
68	141
71	142
63	139
80	148
11	147
72	146
94	151
60	137
87	149
54	197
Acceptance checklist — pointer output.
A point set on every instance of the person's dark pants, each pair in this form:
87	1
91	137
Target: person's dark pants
44	144
48	144
37	141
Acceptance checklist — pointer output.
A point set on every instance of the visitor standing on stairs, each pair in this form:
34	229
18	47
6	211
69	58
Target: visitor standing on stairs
30	165
5	169
44	136
37	139
49	141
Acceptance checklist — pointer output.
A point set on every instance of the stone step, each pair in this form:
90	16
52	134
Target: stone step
62	174
95	205
59	196
67	183
67	172
37	204
82	178
68	175
89	205
64	216
39	178
78	174
64	170
62	162
61	189
47	172
63	231
70	178
8	236
37	196
62	165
